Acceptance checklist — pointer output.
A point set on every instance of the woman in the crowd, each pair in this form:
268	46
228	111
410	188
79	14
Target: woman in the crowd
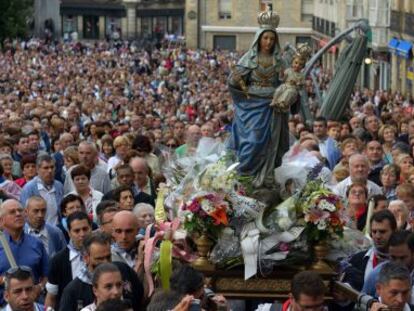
390	175
107	284
70	204
107	149
145	215
142	144
9	188
6	162
124	196
81	176
401	214
122	145
70	157
28	165
357	195
405	162
387	135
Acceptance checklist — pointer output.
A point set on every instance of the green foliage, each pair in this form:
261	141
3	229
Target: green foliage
14	15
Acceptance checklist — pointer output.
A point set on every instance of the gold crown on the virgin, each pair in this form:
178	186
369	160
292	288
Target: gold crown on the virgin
268	18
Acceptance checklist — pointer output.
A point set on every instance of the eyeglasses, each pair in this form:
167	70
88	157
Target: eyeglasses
357	192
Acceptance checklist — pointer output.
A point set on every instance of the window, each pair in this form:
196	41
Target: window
225	9
354	9
146	26
70	24
113	27
306	10
303	39
90	27
176	25
160	25
225	42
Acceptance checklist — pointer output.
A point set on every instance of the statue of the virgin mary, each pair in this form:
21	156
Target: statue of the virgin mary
260	135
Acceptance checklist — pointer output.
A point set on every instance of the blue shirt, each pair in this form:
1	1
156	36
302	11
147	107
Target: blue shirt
52	238
369	284
29	251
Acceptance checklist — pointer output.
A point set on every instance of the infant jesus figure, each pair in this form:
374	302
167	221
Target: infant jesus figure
288	92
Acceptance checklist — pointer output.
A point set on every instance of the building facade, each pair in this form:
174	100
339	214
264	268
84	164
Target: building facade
401	46
231	24
328	21
99	19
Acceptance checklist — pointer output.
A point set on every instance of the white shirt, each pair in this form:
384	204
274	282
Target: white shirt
36	307
91	307
76	263
112	162
341	188
50	197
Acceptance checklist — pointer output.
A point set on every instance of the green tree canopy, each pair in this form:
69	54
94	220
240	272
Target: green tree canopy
14	16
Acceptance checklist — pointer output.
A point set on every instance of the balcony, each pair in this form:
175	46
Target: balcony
396	21
409	24
379	38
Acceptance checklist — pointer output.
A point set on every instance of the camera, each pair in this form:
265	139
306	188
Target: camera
195	305
365	302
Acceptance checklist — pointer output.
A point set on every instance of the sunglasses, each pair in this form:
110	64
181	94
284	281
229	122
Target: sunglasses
14	270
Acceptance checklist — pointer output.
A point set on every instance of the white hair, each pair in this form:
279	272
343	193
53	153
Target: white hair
139	207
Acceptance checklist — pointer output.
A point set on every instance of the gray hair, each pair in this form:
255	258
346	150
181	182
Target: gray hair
90	144
33	199
44	158
7	202
4	156
141	206
356	156
393	271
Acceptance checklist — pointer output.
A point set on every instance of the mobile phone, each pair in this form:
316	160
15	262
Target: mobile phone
195	305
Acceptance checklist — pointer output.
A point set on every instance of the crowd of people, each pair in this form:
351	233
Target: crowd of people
86	131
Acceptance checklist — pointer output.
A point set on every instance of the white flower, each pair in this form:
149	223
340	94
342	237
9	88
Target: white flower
322	225
207	206
325	205
189	216
284	223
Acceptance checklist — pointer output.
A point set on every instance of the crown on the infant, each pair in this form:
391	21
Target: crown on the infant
268	18
303	51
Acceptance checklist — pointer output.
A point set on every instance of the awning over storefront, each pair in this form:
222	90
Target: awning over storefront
404	48
400	47
93	8
392	45
159	12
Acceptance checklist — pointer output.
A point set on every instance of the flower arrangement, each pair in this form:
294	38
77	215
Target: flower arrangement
206	213
218	177
323	213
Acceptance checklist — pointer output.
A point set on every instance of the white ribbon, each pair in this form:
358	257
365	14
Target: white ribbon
250	248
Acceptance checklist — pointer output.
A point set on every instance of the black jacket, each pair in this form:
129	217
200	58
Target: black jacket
60	272
79	294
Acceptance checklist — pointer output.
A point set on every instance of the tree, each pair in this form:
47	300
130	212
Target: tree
14	17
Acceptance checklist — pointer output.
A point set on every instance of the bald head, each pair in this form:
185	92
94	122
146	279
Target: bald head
125	228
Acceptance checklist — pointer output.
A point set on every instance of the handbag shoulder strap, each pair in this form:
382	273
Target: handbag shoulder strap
7	250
